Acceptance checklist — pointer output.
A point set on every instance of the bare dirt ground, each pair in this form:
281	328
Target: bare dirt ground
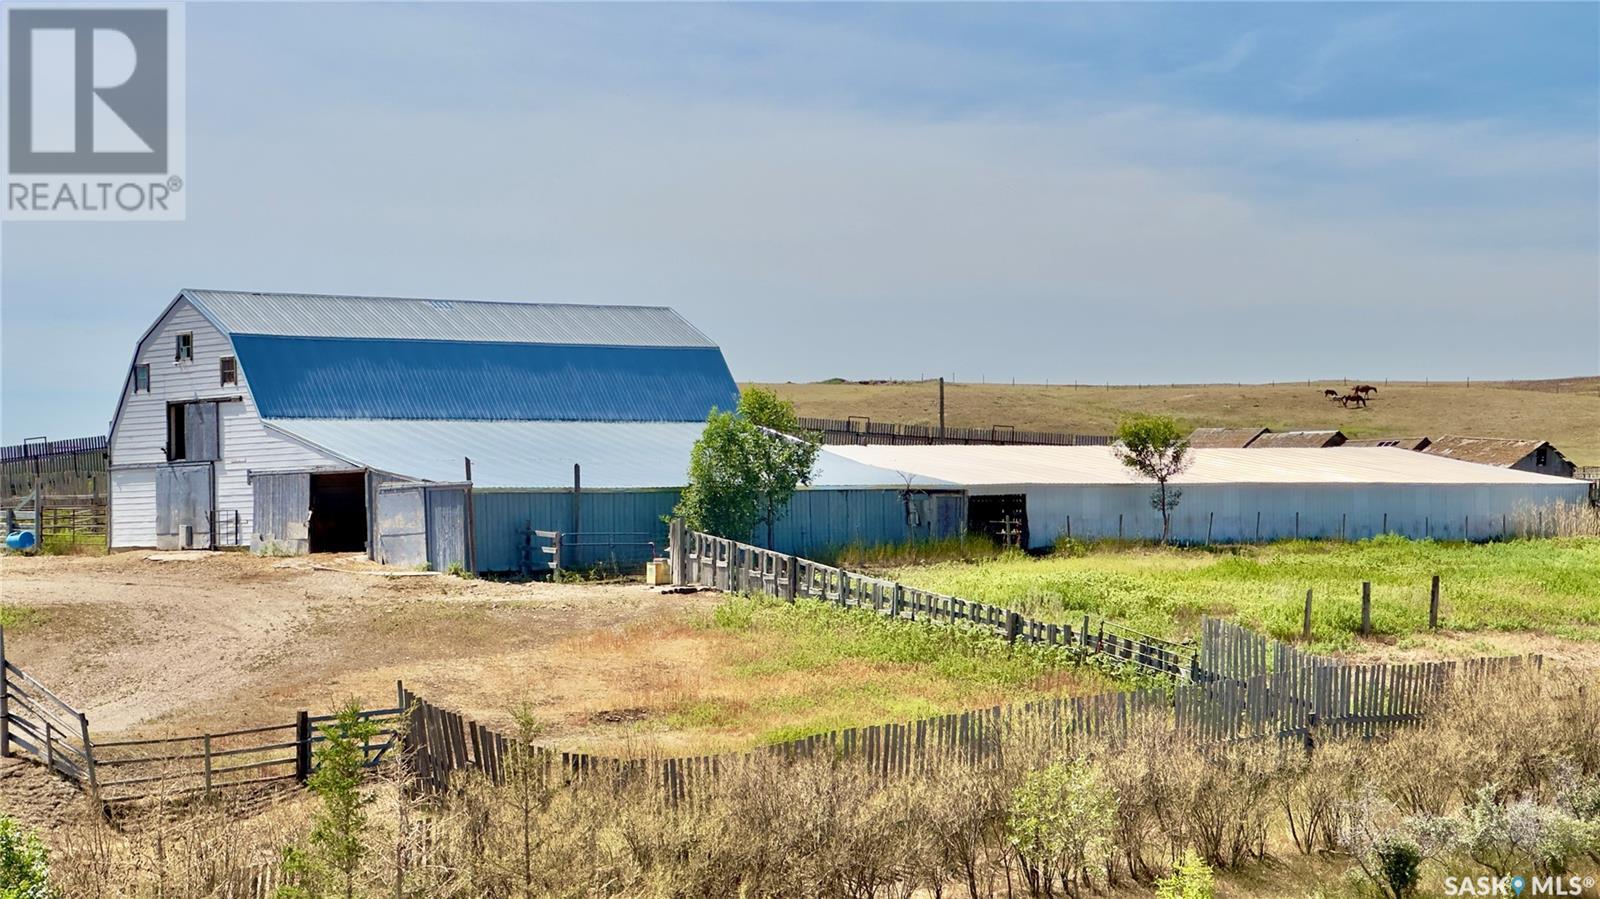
220	640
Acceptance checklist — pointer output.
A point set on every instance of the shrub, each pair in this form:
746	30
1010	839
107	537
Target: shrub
1191	878
1060	820
24	865
1399	862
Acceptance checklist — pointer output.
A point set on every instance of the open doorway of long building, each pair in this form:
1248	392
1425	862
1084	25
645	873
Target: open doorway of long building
1004	517
338	512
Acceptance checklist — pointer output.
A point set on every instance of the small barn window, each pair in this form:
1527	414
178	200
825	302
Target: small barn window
185	348
141	379
230	370
1541	456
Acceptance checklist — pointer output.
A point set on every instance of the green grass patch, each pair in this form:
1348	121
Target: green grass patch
1552	586
16	617
780	671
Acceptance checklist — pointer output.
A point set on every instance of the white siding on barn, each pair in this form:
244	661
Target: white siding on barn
139	435
133	507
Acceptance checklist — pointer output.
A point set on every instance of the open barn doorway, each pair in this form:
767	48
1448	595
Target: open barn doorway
338	512
1003	517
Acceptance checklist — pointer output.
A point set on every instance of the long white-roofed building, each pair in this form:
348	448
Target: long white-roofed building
1232	495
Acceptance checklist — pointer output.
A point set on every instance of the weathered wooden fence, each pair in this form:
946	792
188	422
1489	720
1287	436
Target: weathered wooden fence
439	743
865	431
39	725
36	724
703	560
1248	686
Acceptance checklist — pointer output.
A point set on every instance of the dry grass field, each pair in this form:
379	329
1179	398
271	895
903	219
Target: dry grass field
1566	412
219	641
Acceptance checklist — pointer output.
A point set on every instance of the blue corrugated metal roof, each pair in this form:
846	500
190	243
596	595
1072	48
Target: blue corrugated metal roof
396	318
540	454
313	377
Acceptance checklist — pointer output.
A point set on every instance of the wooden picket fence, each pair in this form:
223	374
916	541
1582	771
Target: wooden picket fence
1248	686
439	743
699	559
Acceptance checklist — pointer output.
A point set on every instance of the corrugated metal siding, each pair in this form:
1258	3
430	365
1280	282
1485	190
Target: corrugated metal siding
1310	511
305	377
402	526
816	521
324	315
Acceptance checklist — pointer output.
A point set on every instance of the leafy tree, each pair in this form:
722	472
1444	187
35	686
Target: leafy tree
1154	446
1061	818
746	466
339	826
24	866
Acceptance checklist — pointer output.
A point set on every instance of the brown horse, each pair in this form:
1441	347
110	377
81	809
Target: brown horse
1364	389
1358	399
1331	394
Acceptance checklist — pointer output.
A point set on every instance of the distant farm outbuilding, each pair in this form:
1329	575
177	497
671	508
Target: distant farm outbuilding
1523	455
1410	443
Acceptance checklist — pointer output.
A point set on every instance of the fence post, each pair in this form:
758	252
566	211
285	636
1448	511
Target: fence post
5	704
1433	603
302	747
555	558
1013	623
1305	630
88	757
206	748
675	551
1366	608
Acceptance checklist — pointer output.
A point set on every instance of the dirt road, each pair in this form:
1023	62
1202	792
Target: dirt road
152	642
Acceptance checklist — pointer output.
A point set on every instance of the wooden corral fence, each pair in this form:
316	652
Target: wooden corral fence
37	724
699	559
1300	700
863	431
1248	686
439	743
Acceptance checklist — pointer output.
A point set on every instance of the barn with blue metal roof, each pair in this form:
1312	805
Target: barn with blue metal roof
434	431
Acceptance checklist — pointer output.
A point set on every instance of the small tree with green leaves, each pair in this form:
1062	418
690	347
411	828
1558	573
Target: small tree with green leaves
1061	819
1155	447
1191	878
338	830
24	865
746	466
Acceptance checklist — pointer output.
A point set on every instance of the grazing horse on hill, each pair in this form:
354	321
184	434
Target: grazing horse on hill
1358	399
1365	389
1331	394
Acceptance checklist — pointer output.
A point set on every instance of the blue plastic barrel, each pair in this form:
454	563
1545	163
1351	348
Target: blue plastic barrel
19	540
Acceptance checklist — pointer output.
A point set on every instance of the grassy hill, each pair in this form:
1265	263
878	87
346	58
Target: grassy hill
1566	412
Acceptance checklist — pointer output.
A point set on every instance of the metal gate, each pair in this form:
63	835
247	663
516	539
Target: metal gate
423	525
184	506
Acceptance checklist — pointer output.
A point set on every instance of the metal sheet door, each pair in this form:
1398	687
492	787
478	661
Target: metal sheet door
183	499
447	526
402	525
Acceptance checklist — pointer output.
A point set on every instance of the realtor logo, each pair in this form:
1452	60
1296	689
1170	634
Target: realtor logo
94	113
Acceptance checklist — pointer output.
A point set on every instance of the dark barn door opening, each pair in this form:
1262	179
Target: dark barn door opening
338	512
1004	517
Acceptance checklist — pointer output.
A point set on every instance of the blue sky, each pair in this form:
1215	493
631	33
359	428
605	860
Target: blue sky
1096	192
